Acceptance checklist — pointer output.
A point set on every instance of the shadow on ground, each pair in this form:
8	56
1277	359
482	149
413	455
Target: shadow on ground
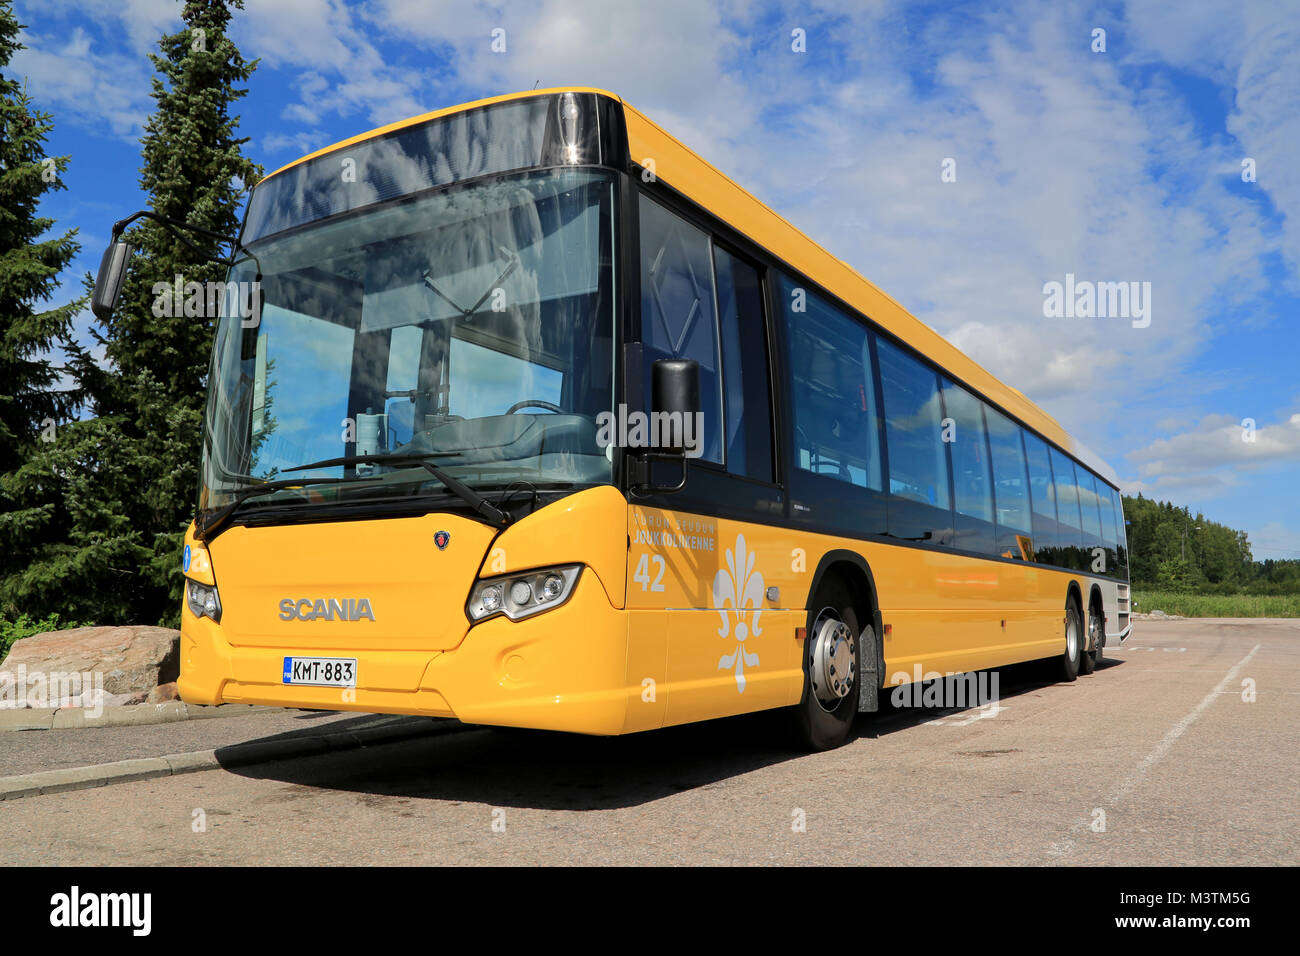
505	767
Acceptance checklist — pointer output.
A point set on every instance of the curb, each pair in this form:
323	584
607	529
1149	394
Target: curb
224	758
132	715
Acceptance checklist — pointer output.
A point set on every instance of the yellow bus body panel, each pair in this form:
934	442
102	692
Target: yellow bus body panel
708	625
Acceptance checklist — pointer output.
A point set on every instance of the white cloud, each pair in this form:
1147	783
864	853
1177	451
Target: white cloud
669	58
343	73
1253	49
1221	441
142	21
297	143
78	81
1215	457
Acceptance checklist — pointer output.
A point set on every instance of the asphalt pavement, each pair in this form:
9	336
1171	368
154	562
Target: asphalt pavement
1183	748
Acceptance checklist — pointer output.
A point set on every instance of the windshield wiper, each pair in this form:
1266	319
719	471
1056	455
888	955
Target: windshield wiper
457	487
206	527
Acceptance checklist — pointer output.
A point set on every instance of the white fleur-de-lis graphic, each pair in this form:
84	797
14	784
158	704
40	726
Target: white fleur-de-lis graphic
738	596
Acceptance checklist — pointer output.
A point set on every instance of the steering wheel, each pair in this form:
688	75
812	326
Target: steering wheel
535	403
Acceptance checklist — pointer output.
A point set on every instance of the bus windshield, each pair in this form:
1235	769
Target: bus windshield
473	325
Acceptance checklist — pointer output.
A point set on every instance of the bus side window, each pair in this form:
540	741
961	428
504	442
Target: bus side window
677	309
1067	511
972	493
1109	536
745	369
1042	496
1121	530
1010	487
919	508
836	431
1090	505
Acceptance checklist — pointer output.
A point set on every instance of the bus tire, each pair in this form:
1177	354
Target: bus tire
1067	667
823	718
1096	637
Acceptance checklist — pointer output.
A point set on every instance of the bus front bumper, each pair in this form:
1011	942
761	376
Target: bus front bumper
564	669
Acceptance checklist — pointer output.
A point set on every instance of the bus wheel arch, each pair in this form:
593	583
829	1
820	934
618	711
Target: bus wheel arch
852	569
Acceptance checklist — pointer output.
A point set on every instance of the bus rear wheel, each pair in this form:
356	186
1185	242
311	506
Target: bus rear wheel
824	717
1067	666
1096	639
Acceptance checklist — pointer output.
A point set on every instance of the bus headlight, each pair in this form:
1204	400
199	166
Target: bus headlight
521	595
203	600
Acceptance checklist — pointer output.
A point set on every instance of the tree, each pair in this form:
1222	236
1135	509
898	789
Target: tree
130	473
32	406
1177	575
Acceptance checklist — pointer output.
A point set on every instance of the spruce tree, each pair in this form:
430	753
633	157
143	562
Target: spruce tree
194	170
32	405
130	472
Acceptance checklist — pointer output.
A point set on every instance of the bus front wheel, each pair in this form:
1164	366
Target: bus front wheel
824	717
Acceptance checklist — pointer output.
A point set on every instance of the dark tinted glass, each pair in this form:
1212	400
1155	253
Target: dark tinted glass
1109	535
1121	528
1107	508
677	308
1010	487
918	467
963	433
1089	503
919	508
1042	496
744	367
970	460
835	425
1070	528
1067	493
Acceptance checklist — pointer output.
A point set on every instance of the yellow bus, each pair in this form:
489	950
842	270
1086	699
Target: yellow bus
534	418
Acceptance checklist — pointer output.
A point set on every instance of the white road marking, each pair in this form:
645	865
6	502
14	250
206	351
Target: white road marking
1180	728
991	709
1156	755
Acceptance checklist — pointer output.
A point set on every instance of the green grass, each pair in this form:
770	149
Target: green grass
1217	605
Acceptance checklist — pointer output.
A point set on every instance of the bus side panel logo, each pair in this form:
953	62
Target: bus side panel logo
738	593
442	539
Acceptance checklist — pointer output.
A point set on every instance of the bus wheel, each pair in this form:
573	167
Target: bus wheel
1068	662
1096	637
824	717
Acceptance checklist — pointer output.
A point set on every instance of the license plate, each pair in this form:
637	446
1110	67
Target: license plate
321	671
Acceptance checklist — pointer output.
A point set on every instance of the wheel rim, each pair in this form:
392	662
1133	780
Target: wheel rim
1094	625
1071	638
832	659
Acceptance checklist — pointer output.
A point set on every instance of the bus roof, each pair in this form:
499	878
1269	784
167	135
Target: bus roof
694	177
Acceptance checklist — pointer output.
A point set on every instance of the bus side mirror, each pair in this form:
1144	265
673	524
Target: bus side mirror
675	401
112	270
675	429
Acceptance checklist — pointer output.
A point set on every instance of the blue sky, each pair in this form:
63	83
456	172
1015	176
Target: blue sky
1122	165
